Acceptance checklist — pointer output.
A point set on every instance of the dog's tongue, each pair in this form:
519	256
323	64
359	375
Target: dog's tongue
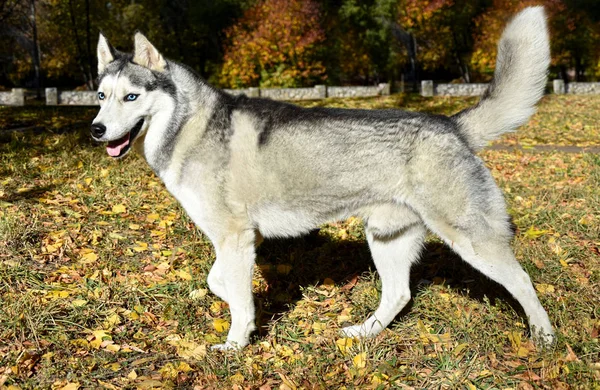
114	148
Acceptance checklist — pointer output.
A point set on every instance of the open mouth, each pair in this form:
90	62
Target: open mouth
120	147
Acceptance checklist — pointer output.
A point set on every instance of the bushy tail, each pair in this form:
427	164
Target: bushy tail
518	83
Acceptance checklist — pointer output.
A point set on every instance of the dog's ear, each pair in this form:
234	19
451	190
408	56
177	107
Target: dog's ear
145	54
106	53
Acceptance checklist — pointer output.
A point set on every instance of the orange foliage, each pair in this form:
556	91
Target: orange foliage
568	28
274	44
427	21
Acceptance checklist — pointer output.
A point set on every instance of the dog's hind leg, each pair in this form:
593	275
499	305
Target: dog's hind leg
231	279
485	246
395	235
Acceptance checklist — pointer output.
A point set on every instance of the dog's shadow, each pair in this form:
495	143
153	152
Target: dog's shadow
289	265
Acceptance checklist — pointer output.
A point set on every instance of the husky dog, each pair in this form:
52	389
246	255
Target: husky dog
244	167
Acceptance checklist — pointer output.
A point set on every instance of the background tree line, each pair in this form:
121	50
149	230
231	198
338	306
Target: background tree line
240	43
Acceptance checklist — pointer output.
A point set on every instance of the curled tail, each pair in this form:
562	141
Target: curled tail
518	83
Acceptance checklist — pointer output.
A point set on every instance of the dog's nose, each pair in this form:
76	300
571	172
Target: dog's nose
98	130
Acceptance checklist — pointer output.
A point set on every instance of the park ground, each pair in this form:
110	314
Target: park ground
103	276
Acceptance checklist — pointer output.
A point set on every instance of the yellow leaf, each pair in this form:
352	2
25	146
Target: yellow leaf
119	208
360	360
134	226
169	371
237	378
459	348
142	246
80	342
58	294
220	325
79	302
319	327
132	375
152	217
111	321
287	382
544	288
70	386
515	339
114	367
522	352
184	367
533	233
183	274
113	347
215	307
198	293
89	257
99	336
344	344
187	349
445	296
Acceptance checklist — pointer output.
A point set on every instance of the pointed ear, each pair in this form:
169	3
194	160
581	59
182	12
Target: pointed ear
105	53
145	54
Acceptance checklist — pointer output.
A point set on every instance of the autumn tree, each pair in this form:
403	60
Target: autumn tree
275	43
358	42
575	35
437	34
19	36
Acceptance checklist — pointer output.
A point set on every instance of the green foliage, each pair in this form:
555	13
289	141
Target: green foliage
275	43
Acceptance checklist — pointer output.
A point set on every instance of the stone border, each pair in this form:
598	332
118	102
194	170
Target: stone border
575	88
88	98
16	97
314	93
55	97
559	87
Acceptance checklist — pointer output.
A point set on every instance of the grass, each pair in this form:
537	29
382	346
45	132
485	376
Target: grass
97	263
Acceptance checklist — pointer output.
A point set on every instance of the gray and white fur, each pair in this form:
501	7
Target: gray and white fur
244	167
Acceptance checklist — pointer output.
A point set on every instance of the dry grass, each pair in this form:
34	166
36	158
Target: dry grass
97	262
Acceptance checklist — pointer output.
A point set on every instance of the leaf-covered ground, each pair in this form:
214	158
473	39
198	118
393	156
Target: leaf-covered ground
103	276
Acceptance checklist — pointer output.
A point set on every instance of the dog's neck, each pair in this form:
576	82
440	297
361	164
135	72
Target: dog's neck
191	103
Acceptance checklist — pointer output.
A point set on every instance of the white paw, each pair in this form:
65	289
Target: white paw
543	339
227	346
355	331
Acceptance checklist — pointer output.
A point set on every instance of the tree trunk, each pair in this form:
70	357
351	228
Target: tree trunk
90	58
409	41
462	66
79	53
36	52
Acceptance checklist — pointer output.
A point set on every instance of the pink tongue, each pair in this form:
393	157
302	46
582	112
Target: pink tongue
114	148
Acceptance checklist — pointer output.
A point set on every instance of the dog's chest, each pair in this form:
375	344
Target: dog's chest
197	198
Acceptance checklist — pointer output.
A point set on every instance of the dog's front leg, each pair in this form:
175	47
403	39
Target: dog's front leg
231	279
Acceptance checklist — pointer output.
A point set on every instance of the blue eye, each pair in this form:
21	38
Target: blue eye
131	97
101	95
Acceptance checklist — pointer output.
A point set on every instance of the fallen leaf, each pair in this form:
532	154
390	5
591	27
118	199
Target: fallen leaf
533	233
360	360
119	209
220	325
